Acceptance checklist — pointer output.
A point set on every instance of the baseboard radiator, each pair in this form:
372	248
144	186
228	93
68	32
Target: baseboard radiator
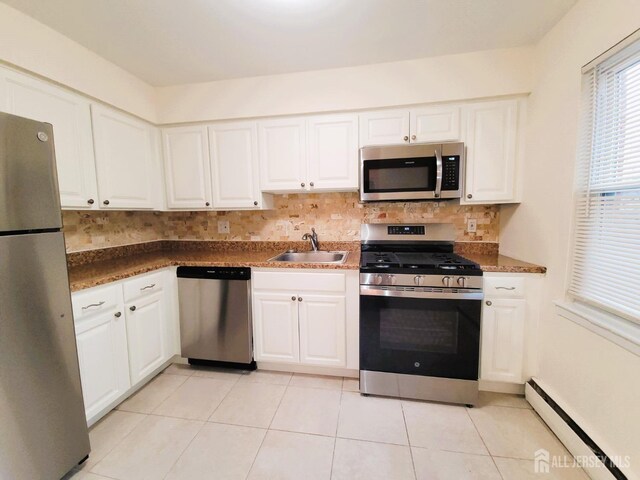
572	436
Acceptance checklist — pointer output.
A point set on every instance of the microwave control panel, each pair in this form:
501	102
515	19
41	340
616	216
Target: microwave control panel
450	172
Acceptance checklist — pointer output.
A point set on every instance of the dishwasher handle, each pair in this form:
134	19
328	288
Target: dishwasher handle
215	273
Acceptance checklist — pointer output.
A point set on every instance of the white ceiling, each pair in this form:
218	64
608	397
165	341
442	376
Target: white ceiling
168	42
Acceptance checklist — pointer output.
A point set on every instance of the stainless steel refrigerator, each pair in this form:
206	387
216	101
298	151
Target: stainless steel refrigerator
43	429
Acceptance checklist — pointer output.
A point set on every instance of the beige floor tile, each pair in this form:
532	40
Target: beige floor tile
502	400
150	450
108	432
266	376
371	418
514	469
179	369
514	432
357	460
316	381
351	384
195	399
224	452
441	465
442	427
153	394
83	475
227	374
252	405
308	410
293	456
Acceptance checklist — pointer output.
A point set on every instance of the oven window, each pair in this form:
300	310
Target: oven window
435	332
400	175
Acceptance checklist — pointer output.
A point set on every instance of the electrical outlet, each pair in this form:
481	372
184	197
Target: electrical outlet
223	226
472	225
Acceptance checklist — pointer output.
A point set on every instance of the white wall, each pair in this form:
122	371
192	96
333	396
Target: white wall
595	377
438	79
32	46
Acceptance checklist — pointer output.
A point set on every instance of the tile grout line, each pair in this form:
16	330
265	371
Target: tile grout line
184	450
335	438
483	442
406	429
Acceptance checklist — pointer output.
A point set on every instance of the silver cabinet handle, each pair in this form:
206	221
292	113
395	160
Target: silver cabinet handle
469	196
207	204
406	138
293	298
488	302
505	288
413	137
255	203
299	299
93	305
91	201
148	286
118	314
311	184
106	202
302	185
132	308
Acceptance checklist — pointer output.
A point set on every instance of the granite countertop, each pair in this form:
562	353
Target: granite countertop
97	267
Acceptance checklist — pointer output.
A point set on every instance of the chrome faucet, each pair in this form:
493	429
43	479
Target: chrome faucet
313	238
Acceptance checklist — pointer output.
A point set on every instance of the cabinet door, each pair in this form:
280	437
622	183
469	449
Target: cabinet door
387	127
186	167
146	335
275	317
322	330
502	340
103	359
283	155
71	119
435	124
491	141
234	164
333	152
125	160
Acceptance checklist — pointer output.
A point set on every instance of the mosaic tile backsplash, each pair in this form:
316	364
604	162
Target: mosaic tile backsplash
335	216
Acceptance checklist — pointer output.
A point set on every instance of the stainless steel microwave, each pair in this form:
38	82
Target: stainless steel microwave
422	171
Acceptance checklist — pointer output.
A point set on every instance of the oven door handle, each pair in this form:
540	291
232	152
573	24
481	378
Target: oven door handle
438	174
383	292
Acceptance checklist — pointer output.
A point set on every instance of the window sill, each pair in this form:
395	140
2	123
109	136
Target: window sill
622	332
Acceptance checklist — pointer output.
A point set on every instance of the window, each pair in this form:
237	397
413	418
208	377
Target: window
606	258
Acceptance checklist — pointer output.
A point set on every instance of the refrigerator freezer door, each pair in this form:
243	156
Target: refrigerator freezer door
29	197
42	420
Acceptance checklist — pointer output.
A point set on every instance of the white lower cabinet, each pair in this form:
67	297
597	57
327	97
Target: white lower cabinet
125	332
306	317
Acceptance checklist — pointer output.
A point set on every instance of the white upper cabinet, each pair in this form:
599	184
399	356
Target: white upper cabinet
435	124
71	119
333	152
126	159
283	155
387	127
234	162
186	167
491	138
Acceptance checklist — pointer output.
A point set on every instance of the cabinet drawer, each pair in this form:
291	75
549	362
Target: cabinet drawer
142	286
95	300
300	281
508	287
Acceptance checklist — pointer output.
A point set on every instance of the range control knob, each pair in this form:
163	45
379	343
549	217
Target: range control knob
462	282
446	281
391	279
418	280
378	280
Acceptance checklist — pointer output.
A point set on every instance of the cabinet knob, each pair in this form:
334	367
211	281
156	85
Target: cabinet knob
207	204
132	308
91	201
106	202
302	185
406	138
469	196
118	314
293	298
413	137
488	302
299	299
255	202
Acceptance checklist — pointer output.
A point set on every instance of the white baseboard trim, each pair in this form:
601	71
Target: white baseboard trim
501	387
294	368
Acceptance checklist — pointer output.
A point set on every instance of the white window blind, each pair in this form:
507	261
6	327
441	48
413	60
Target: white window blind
606	256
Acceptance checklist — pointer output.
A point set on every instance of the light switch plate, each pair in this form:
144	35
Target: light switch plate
223	226
472	225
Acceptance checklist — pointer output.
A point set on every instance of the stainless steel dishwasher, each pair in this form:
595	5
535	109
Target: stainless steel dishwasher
215	316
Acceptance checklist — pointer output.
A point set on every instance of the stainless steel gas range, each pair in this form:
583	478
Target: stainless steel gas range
420	310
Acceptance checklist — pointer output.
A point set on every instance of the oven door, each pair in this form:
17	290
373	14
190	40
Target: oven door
420	332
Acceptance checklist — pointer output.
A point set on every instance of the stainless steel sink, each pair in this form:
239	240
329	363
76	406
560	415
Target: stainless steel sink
311	257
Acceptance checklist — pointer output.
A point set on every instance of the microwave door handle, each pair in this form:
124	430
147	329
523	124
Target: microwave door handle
438	174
